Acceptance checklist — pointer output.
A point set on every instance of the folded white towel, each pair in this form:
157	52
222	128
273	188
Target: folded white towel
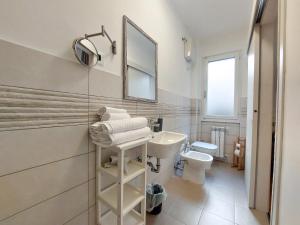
107	140
106	109
118	126
114	116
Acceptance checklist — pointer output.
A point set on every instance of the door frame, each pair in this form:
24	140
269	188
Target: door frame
281	48
281	63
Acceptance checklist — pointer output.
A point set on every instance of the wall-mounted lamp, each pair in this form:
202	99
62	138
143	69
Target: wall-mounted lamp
86	51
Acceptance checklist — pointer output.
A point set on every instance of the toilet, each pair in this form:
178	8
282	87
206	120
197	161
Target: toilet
195	166
204	147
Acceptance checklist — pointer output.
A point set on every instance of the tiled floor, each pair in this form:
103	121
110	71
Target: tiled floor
220	201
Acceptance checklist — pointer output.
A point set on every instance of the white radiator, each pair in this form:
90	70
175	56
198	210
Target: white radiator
218	138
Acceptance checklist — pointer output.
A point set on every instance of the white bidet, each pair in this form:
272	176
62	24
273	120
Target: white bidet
197	163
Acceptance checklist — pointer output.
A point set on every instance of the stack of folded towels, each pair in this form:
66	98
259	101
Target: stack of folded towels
117	127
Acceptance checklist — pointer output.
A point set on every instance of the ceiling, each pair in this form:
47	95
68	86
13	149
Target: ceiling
208	18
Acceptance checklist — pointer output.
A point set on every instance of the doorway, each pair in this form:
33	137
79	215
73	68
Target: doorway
262	76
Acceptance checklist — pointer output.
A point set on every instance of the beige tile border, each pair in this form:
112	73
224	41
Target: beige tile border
24	108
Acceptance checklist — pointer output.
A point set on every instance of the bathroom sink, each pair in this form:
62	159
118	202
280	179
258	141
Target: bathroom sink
164	143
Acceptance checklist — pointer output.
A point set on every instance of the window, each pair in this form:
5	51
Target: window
220	91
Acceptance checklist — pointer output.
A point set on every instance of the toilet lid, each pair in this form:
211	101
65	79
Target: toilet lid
199	144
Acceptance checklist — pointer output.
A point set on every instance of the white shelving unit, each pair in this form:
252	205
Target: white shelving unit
122	197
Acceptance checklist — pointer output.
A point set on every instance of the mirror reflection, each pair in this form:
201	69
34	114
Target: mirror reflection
86	52
140	64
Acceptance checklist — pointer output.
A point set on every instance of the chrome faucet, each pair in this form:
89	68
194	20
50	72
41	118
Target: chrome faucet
152	123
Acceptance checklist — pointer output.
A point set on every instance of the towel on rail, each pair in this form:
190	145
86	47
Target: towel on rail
118	126
114	116
107	140
106	109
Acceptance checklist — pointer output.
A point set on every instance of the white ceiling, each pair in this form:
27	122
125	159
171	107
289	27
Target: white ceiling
207	18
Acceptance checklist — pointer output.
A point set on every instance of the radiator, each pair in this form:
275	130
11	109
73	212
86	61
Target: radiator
218	138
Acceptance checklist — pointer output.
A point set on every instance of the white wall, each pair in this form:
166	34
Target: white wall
232	42
289	204
55	161
51	26
196	72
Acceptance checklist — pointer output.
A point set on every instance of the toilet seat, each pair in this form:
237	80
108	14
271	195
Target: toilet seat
204	147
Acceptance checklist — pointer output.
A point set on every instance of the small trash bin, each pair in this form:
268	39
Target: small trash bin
156	194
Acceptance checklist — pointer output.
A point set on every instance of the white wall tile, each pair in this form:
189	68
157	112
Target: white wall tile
92	165
105	84
229	139
23	149
233	129
92	192
92	216
34	69
57	210
169	123
24	189
82	219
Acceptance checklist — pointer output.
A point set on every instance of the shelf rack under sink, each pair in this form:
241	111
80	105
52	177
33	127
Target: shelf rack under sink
122	198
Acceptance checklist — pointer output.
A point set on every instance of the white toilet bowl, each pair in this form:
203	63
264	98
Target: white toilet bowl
204	147
197	163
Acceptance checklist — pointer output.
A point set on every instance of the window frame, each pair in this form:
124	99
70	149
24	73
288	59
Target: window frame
219	57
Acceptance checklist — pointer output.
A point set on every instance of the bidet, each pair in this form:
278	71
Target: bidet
195	166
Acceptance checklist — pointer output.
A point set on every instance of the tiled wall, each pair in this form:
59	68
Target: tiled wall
233	130
44	146
47	162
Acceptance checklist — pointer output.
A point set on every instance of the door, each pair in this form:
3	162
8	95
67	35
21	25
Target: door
252	115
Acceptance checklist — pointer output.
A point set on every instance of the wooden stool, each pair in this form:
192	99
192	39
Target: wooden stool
239	153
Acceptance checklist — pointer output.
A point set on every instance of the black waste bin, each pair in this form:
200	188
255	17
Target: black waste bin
155	196
156	210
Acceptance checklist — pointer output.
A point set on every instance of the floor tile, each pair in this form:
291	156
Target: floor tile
223	193
241	198
222	200
170	201
220	208
186	201
185	212
162	219
211	219
246	216
186	191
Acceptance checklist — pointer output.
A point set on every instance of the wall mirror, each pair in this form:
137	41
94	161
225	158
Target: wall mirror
139	63
86	52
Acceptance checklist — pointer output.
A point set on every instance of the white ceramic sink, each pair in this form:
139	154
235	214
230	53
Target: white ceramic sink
164	143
